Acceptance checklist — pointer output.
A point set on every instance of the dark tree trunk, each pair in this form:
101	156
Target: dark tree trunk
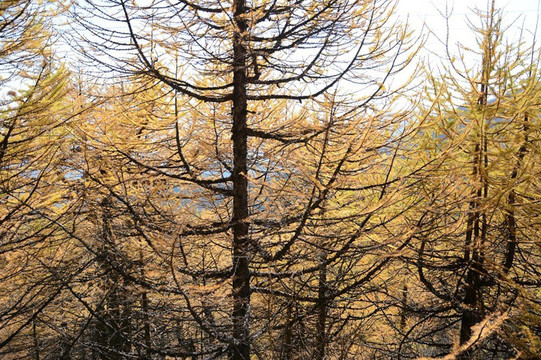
36	340
287	345
241	259
145	315
321	336
476	231
113	325
511	203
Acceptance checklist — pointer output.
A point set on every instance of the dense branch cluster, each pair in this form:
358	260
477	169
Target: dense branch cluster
244	180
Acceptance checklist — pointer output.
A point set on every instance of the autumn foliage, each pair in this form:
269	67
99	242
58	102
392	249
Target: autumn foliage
264	180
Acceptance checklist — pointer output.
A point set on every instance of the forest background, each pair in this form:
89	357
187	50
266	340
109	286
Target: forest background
267	180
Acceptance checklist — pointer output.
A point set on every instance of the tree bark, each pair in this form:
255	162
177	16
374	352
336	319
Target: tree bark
241	261
321	336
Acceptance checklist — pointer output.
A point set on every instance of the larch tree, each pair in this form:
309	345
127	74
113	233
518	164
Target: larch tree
278	150
249	181
479	258
33	115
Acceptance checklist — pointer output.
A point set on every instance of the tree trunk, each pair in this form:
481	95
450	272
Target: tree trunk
287	345
321	336
145	309
511	203
476	231
241	273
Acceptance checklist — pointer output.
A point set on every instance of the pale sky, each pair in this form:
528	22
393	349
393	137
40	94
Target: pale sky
516	13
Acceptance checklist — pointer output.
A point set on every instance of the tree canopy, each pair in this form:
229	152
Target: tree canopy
264	180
